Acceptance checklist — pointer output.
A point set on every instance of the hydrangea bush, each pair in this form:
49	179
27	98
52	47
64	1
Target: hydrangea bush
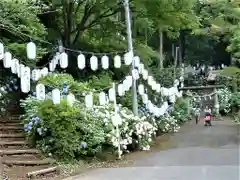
67	131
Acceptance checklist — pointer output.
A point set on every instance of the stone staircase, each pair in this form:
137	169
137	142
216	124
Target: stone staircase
19	160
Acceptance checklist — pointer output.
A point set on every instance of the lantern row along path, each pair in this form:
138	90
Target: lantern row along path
195	153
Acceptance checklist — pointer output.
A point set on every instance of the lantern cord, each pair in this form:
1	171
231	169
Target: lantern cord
94	53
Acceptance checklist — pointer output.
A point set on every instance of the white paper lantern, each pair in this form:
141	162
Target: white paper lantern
105	62
158	88
176	82
136	61
20	70
129	80
141	68
56	60
63	60
150	80
44	72
128	58
102	98
7	60
141	89
56	96
89	101
52	66
117	61
116	120
1	51
135	74
94	63
31	50
154	86
81	61
120	90
40	91
25	80
145	74
111	94
14	66
71	99
126	85
35	75
145	98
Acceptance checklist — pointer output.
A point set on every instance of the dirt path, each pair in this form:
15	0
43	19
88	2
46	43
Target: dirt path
196	152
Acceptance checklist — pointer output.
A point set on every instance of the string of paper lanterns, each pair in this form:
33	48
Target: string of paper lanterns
195	96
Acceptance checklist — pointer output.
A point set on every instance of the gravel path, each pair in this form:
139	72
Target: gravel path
198	153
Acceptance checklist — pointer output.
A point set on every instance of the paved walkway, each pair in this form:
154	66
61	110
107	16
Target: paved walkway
199	153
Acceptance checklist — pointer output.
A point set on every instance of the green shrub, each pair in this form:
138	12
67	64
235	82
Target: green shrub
180	111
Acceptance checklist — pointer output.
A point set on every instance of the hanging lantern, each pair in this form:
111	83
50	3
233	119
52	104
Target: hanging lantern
7	60
71	99
25	80
120	90
128	58
102	98
135	74
40	92
44	72
52	66
145	74
89	101
136	61
141	68
126	85
129	80
35	75
56	96
150	80
14	66
117	61
63	60
111	94
105	62
31	50
81	61
145	98
141	89
55	60
94	63
176	83
154	85
158	89
20	70
1	51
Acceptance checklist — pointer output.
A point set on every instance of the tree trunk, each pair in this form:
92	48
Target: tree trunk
160	49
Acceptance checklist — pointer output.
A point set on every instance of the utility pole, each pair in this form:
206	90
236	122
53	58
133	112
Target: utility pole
130	49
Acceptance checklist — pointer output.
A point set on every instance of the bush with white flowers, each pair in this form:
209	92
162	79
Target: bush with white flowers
82	131
224	98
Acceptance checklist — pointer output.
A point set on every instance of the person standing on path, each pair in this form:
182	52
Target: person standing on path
197	114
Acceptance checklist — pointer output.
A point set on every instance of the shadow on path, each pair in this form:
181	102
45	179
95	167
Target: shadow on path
194	153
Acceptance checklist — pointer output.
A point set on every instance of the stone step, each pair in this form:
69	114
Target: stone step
11	128
10	124
15	135
26	162
7	152
7	121
13	143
